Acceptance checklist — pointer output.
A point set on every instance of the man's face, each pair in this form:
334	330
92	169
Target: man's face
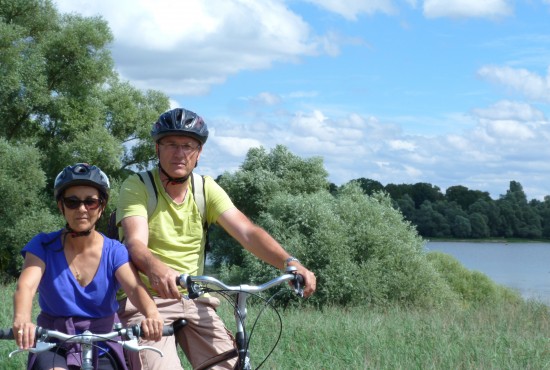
178	155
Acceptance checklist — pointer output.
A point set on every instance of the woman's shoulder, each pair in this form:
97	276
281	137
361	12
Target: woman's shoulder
113	246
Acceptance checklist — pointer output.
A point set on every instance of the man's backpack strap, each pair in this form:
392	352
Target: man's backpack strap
197	187
152	194
199	193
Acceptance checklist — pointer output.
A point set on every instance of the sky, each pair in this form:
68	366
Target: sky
445	92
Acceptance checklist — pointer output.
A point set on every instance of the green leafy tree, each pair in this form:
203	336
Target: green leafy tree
543	210
369	186
465	197
406	206
479	227
60	94
521	220
360	247
24	210
430	222
262	176
490	211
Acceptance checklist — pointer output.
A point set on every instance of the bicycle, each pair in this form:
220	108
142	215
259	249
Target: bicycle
129	340
199	285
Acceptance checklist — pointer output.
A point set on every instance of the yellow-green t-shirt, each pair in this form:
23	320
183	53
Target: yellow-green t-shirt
175	230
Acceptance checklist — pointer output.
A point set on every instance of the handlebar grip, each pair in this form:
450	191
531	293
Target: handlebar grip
167	331
6	333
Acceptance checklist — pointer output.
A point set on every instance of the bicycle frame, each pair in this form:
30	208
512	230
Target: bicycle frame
198	285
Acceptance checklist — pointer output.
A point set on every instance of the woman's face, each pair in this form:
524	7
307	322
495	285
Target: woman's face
81	206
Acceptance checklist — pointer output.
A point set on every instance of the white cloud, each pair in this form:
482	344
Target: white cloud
401	145
352	9
267	98
519	80
236	146
185	47
467	8
509	130
506	109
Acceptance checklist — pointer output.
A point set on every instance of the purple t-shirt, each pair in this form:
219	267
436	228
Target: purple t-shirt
61	295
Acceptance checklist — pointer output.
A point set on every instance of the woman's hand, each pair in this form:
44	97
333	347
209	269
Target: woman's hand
24	333
152	328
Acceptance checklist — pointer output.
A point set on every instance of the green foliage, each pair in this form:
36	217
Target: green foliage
24	210
262	177
472	286
61	103
360	248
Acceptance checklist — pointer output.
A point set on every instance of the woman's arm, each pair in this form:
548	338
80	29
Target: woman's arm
137	294
23	327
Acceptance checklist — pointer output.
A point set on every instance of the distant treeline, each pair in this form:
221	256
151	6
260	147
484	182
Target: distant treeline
464	213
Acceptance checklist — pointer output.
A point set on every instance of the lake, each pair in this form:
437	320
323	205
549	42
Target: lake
524	267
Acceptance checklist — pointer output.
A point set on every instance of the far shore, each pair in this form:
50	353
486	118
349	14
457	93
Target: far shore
488	240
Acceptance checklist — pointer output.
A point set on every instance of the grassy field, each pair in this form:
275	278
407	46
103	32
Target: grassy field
486	337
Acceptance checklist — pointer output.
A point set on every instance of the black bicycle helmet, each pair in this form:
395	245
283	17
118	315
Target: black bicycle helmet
81	174
180	121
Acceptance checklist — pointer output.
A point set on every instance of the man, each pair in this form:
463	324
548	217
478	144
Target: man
171	241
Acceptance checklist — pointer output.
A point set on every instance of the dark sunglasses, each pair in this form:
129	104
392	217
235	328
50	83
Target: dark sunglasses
89	203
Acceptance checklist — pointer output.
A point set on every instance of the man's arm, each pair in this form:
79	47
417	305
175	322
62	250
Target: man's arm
256	240
161	277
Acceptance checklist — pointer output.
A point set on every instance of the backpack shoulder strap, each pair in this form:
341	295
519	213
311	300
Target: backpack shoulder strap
147	178
199	194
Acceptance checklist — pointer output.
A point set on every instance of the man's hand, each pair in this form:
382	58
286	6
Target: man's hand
163	280
310	281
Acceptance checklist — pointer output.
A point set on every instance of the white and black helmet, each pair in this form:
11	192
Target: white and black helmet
82	174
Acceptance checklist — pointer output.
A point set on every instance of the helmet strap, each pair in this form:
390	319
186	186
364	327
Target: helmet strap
172	180
76	234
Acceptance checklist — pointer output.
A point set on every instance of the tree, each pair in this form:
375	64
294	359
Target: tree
520	219
490	211
479	227
369	186
24	210
465	197
430	222
262	176
406	206
60	95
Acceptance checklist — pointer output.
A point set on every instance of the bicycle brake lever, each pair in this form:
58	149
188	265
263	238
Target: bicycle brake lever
40	347
299	285
134	346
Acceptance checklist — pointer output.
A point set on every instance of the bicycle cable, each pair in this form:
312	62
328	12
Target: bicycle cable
229	296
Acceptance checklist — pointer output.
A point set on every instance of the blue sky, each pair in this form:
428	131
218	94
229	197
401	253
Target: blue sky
448	92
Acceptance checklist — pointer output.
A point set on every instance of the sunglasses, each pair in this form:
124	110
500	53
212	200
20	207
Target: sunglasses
89	203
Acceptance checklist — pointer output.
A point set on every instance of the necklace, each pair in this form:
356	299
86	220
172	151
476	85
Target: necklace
76	274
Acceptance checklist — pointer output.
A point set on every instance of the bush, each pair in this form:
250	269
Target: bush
472	286
360	248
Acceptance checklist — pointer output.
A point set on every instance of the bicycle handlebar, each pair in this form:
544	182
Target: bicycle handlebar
198	285
128	337
126	333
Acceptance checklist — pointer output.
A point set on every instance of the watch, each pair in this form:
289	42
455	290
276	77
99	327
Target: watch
288	260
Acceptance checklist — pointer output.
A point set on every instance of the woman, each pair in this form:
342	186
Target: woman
77	272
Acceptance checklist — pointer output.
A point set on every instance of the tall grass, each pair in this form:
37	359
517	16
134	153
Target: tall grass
485	336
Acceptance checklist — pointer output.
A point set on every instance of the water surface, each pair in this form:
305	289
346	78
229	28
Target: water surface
521	266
